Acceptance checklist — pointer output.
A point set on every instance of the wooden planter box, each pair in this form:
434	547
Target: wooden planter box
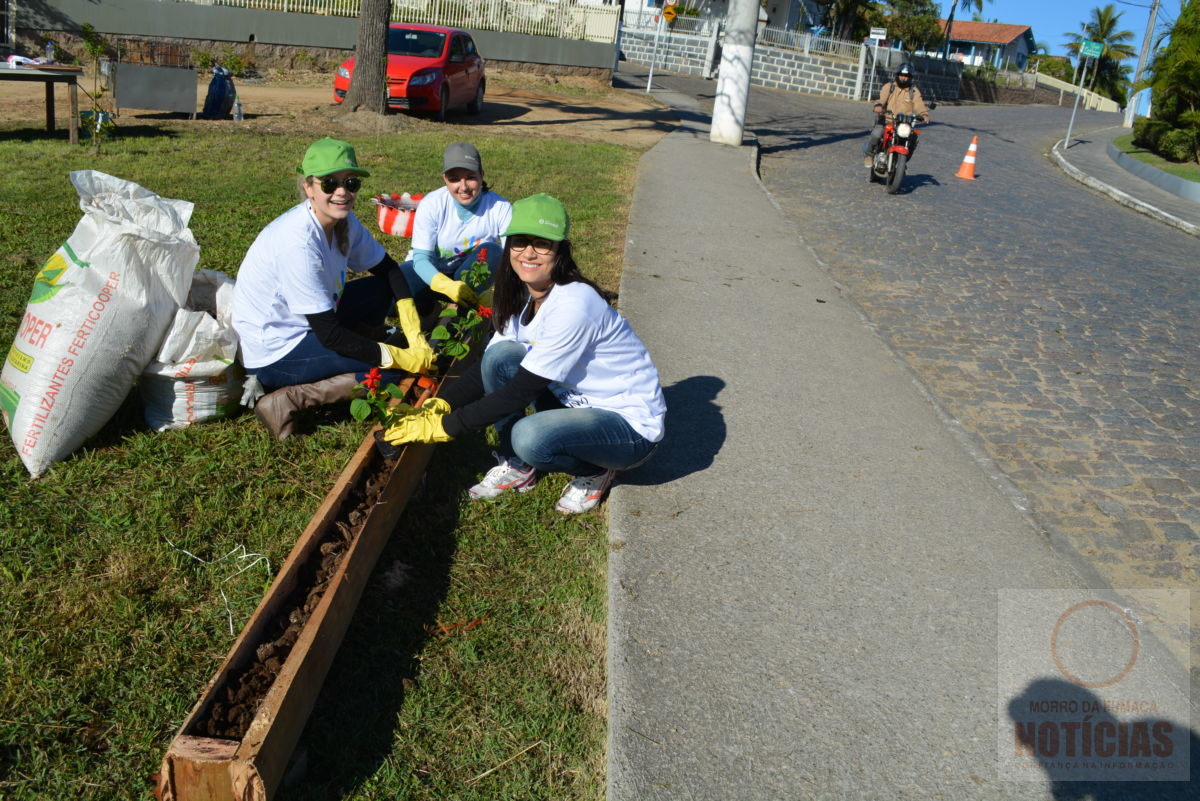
203	768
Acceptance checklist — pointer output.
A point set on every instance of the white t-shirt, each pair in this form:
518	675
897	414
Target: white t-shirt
591	356
439	228
292	270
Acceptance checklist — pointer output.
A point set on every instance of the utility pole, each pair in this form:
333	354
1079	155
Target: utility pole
1143	57
733	82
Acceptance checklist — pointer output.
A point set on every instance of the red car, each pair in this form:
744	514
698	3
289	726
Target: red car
430	69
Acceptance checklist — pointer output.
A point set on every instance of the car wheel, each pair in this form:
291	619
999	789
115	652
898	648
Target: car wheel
476	105
443	104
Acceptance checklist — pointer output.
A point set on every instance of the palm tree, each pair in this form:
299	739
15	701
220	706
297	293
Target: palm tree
1102	28
1175	76
845	16
976	4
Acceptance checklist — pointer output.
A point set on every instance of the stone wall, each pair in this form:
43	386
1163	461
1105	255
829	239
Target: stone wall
775	68
683	54
975	91
778	68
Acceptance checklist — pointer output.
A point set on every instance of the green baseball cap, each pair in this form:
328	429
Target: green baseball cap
329	156
539	215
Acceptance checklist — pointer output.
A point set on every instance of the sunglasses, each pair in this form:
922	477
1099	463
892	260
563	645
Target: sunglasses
329	184
540	246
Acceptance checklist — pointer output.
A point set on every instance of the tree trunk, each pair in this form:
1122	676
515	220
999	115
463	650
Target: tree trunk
368	86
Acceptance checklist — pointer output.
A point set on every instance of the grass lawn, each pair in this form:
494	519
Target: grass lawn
1189	171
122	571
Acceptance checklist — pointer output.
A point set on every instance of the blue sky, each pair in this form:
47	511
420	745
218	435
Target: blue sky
1051	18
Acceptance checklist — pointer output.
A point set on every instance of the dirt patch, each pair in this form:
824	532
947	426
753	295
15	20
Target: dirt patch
236	701
571	107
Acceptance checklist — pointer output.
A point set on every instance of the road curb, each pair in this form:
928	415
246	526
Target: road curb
1121	197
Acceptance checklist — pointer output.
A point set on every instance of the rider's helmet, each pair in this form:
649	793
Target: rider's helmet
904	75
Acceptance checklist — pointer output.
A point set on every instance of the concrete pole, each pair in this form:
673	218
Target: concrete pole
733	83
1141	65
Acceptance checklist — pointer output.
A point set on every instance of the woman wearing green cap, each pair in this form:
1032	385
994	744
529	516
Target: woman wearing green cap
455	225
305	330
562	349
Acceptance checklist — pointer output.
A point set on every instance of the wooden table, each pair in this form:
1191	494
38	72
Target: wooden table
50	75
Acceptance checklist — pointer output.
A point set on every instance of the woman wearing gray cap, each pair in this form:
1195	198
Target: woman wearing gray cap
455	225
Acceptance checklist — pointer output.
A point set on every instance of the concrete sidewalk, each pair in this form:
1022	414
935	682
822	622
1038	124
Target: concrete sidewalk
806	581
1087	160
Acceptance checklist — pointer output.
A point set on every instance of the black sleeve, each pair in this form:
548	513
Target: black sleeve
391	271
340	339
467	388
514	396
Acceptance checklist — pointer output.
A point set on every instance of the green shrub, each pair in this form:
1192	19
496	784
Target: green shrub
1148	132
305	60
233	62
203	59
1178	144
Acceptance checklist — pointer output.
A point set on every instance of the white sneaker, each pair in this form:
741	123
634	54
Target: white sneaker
508	475
584	492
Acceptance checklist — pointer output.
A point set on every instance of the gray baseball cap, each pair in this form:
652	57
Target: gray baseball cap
461	155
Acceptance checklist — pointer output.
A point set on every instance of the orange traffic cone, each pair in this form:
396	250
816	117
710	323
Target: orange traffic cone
967	170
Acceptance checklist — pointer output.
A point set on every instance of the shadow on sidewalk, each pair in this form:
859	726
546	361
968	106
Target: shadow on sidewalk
695	432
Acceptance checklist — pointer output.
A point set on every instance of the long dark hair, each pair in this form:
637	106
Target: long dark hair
510	295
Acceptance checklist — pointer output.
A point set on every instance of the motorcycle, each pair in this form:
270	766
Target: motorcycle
895	148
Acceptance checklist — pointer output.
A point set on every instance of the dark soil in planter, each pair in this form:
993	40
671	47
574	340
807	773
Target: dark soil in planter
237	699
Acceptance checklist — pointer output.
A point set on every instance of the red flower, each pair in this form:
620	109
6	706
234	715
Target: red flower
372	378
485	311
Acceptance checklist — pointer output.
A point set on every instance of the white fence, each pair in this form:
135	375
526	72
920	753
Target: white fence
563	19
807	43
810	43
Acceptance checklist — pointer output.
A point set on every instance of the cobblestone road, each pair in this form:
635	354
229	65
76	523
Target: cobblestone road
1059	328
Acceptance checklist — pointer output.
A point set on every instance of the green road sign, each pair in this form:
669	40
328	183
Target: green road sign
1090	49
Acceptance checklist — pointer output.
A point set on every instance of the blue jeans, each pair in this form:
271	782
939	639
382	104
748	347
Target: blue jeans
456	267
556	439
366	301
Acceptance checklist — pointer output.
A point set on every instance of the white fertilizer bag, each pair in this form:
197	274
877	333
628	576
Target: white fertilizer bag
194	376
98	311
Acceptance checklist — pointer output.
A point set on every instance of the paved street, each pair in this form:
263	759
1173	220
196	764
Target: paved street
1059	328
1056	326
834	579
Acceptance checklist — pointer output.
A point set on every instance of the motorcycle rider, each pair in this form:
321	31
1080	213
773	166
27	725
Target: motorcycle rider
899	96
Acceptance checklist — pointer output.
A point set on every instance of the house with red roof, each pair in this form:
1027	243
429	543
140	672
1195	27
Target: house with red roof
995	43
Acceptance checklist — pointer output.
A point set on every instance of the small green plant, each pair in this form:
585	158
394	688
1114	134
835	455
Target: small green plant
305	60
461	331
203	59
233	62
375	402
100	121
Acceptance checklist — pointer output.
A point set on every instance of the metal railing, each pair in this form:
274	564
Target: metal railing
810	43
563	19
783	38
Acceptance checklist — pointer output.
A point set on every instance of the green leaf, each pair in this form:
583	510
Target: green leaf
457	349
393	391
439	332
359	409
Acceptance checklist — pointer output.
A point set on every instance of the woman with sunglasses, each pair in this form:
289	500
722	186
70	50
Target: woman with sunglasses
455	225
307	333
562	349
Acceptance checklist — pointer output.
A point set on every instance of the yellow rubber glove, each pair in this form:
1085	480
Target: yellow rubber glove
415	359
420	425
457	291
410	322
